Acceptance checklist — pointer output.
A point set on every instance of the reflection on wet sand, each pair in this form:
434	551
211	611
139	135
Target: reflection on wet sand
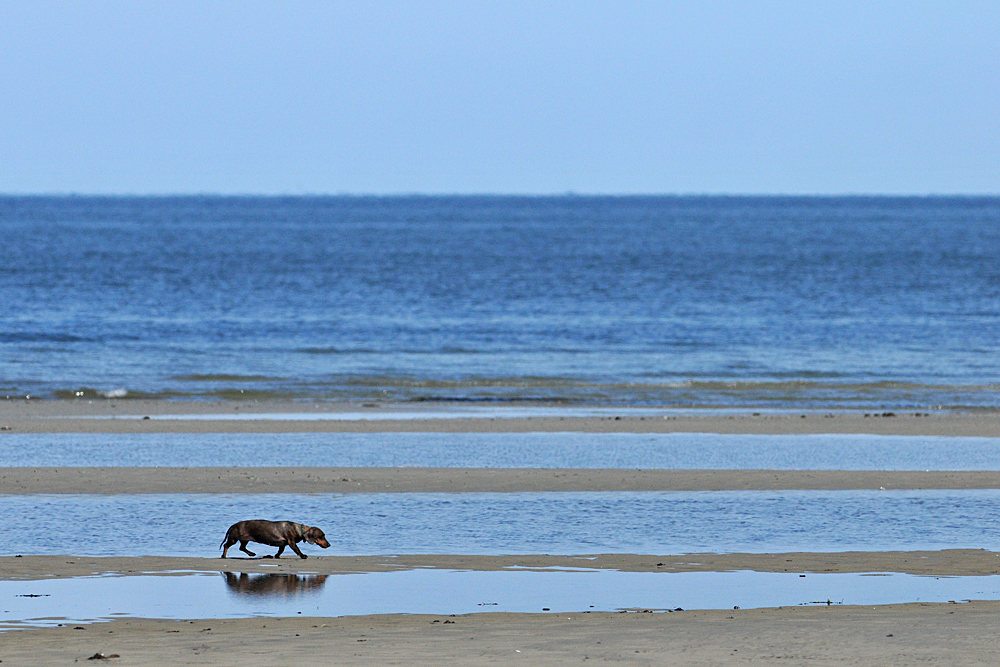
273	585
48	602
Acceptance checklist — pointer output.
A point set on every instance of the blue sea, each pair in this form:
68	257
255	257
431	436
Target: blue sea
690	302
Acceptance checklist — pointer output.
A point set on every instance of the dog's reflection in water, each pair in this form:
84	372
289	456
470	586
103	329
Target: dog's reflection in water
275	585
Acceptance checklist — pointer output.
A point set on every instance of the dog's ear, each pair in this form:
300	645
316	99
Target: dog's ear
309	535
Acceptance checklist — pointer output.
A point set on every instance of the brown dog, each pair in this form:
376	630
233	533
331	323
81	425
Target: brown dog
279	534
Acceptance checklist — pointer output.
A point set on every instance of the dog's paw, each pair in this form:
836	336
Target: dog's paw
304	556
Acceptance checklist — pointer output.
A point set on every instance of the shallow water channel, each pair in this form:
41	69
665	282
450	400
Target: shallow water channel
505	450
512	523
231	595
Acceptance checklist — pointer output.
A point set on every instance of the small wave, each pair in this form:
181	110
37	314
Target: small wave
231	394
797	385
546	400
467	382
807	375
445	351
226	378
119	393
41	337
692	393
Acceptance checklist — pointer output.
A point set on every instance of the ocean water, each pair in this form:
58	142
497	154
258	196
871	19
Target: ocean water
763	302
674	522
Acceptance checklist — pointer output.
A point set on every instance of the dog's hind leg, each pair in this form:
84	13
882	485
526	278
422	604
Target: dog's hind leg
243	548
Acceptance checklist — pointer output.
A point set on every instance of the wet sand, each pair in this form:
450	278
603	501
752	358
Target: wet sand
946	563
125	416
464	480
952	634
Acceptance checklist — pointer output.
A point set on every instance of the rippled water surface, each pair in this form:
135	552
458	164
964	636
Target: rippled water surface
512	523
714	301
505	450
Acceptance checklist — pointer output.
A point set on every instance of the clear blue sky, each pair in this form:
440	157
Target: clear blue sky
500	97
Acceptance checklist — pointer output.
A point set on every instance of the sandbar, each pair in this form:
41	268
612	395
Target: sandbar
139	480
945	563
125	416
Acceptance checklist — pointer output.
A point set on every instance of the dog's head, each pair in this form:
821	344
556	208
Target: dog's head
314	535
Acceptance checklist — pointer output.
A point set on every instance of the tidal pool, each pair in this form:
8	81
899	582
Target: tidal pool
442	592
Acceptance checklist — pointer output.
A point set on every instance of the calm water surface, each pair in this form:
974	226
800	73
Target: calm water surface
231	595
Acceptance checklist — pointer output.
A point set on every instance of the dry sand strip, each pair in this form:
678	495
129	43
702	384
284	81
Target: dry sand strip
125	416
20	481
908	634
946	563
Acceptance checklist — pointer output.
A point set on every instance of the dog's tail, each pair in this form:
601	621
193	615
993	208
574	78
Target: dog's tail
226	538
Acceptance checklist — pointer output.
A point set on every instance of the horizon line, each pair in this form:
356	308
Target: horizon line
540	195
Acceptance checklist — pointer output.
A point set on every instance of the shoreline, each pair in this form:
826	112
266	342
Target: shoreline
126	416
945	563
167	480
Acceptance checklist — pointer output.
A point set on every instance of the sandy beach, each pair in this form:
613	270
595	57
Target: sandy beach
887	634
952	634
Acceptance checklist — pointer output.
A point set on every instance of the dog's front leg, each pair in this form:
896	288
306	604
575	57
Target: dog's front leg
295	548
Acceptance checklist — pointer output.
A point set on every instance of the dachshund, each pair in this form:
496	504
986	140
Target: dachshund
273	533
